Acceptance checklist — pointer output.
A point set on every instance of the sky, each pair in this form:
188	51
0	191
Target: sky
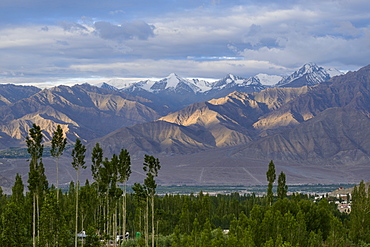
45	42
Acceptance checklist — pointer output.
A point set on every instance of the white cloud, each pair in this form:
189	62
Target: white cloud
193	39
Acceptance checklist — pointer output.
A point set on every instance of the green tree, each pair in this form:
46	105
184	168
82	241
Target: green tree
271	176
141	196
78	162
37	182
151	166
360	214
14	230
58	143
97	160
14	220
124	170
282	188
17	190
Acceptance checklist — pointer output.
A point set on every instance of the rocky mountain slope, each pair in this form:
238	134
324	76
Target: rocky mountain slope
247	113
332	124
10	93
328	122
223	122
83	111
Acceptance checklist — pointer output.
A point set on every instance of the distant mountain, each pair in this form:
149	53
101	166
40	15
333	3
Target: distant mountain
177	92
325	123
173	91
331	123
200	126
223	122
171	83
109	87
227	112
308	75
10	93
83	111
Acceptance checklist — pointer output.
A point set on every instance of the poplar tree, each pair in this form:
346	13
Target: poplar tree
13	218
271	176
360	214
58	143
282	188
17	190
37	182
124	170
97	160
151	166
78	162
141	196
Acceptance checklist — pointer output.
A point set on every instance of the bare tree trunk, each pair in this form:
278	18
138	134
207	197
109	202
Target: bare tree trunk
77	188
57	164
115	225
147	223
152	220
38	216
34	221
124	212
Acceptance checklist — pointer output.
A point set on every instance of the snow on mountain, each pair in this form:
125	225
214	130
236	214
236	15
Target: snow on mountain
172	82
309	74
333	72
202	85
268	80
232	80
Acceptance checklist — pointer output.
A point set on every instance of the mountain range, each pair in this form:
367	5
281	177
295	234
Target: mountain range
313	116
232	105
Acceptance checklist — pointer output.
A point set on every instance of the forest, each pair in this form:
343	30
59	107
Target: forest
102	213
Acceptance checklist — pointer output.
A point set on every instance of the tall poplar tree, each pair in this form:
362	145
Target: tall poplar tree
78	162
37	182
58	143
151	166
124	170
97	159
17	190
282	188
271	176
360	214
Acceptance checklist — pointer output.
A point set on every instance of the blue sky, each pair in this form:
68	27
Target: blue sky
43	41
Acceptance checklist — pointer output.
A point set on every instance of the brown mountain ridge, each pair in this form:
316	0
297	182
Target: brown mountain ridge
327	122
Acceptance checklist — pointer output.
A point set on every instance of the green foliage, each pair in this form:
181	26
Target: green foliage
271	176
282	188
97	159
14	230
58	143
360	220
37	182
78	155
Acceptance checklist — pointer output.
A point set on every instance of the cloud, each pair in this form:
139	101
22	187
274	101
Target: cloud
61	39
129	30
72	26
185	68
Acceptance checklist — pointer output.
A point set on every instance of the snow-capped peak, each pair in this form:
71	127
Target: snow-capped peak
311	73
172	80
108	86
